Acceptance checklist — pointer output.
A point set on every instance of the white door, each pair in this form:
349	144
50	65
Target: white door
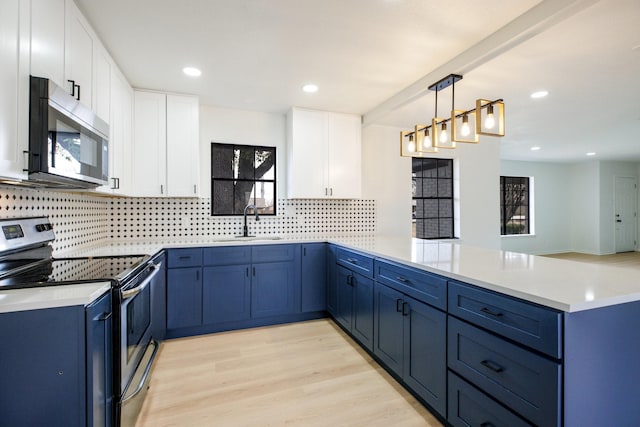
625	205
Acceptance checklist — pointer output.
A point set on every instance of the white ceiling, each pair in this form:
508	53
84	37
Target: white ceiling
257	54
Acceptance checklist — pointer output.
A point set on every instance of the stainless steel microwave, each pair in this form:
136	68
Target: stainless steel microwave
68	143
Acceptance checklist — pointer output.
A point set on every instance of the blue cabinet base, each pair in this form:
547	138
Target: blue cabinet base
244	324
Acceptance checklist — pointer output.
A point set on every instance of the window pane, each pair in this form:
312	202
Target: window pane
430	187
222	161
244	157
416	186
243	196
445	188
265	163
265	197
445	209
419	208
445	228
222	196
430	168
431	208
445	169
416	167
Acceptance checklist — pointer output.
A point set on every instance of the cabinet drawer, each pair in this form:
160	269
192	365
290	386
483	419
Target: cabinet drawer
468	406
524	322
355	261
522	380
273	253
423	286
228	255
188	257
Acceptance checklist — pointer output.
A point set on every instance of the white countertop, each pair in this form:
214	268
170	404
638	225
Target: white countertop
51	296
564	285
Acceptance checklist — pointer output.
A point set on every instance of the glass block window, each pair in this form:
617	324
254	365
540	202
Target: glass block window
514	205
242	175
432	198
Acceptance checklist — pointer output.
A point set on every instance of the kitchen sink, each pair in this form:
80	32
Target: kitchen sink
247	239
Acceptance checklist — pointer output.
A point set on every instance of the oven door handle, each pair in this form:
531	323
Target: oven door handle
130	293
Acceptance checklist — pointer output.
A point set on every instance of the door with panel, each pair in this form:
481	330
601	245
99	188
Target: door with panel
425	356
362	326
226	294
314	277
388	327
272	289
184	297
344	297
332	287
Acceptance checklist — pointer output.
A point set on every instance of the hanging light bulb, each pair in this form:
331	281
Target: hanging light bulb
444	137
427	137
412	145
489	121
464	130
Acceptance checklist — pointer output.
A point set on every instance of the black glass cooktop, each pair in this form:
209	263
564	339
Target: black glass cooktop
65	271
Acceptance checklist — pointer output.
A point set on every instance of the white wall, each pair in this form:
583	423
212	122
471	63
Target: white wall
387	179
552	223
245	128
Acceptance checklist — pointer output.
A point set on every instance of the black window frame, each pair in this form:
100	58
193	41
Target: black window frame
253	180
422	169
509	207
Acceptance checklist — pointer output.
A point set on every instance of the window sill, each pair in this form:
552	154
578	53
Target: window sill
509	236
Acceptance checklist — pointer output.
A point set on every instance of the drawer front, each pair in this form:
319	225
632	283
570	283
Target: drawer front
273	253
228	255
425	287
524	381
524	322
188	257
355	261
468	406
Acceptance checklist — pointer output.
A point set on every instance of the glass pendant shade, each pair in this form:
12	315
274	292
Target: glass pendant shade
464	120
489	117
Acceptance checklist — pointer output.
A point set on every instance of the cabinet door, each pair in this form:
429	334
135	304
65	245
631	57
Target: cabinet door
425	357
332	289
183	146
14	87
99	363
47	40
314	277
363	310
184	297
344	297
272	289
149	144
79	54
226	294
388	327
308	154
102	82
345	155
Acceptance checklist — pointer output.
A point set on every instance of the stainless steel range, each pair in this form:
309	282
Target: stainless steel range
26	261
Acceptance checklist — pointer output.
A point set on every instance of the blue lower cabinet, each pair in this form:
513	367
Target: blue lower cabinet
184	297
469	407
226	294
362	322
332	281
56	366
314	277
410	339
273	289
344	297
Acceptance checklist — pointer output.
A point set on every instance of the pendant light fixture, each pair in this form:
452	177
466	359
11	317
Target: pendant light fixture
487	118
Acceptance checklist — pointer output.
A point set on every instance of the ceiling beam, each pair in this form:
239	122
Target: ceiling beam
536	20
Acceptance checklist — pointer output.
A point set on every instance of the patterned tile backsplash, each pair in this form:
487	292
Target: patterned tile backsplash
82	219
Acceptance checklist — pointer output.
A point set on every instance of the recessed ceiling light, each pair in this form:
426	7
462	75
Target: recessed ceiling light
310	88
192	71
591	153
536	148
539	94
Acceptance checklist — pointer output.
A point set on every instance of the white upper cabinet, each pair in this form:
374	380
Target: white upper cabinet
166	145
14	87
183	160
79	55
324	155
47	40
120	136
149	144
102	82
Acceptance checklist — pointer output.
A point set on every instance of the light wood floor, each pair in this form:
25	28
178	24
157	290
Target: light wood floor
626	259
302	374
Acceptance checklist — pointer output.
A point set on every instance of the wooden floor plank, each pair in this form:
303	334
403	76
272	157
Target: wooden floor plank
301	374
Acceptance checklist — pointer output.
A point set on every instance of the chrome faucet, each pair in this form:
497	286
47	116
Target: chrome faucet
245	229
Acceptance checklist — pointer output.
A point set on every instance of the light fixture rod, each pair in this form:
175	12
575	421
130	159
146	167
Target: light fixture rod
445	82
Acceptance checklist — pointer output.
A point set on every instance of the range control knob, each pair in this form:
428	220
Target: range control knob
43	227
